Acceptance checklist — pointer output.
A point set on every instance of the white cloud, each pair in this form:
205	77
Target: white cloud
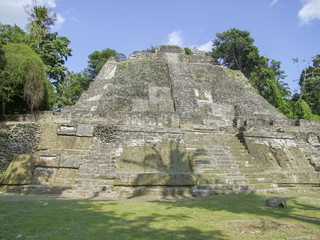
206	47
310	11
60	20
175	38
73	19
12	11
273	2
50	3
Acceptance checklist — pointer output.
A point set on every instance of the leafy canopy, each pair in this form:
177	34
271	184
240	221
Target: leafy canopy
54	52
22	76
97	59
234	49
41	19
310	85
229	47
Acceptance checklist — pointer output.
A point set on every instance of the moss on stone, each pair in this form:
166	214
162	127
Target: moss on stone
49	136
20	170
238	76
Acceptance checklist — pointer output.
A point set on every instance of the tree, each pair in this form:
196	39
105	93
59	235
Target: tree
152	49
23	76
187	51
54	52
98	59
41	19
279	76
234	49
310	85
71	89
13	34
230	47
301	110
2	76
33	90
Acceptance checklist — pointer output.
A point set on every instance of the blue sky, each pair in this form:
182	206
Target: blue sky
282	29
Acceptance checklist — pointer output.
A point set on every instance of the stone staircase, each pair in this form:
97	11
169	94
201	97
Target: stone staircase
95	177
222	165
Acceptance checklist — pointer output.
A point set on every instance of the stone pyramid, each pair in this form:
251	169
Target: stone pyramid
172	124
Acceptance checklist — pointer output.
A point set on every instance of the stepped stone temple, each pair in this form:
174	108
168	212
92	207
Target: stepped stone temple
161	123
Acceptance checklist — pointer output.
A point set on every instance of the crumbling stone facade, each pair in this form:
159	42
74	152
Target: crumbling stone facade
166	123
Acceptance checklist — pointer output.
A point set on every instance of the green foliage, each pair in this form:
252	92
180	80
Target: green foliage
301	110
33	90
310	85
71	88
187	51
50	96
54	52
13	34
279	76
234	49
41	19
23	75
152	49
98	59
230	46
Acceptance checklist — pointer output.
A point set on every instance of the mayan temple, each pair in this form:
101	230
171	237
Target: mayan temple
163	123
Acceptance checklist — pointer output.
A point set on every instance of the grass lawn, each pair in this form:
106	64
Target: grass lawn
243	216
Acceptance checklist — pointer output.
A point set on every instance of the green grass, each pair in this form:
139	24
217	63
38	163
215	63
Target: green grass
217	217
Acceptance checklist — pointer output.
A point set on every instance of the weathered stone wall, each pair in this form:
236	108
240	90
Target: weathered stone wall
162	122
16	139
286	156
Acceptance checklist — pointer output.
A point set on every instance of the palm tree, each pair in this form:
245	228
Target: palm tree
41	18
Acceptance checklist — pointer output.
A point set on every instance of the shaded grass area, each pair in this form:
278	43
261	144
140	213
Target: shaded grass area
242	216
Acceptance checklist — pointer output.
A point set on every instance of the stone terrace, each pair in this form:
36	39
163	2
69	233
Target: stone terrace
163	123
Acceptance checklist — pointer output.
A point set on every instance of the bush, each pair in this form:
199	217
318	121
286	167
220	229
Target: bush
23	77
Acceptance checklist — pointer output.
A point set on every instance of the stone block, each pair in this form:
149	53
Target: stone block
169	49
49	136
140	105
54	176
48	160
155	179
70	161
84	130
314	140
67	129
65	142
160	99
82	143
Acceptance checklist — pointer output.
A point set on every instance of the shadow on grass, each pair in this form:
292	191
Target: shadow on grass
254	205
94	220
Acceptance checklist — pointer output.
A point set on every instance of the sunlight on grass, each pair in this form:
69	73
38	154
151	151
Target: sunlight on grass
217	217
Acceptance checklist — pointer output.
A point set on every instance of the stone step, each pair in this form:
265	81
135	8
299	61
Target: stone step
206	193
224	186
97	168
93	182
223	181
100	175
85	194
